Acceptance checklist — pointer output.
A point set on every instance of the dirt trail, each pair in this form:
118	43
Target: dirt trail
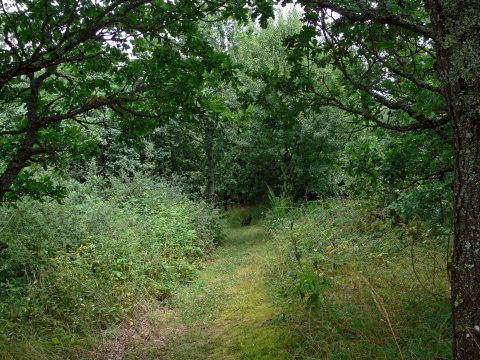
227	312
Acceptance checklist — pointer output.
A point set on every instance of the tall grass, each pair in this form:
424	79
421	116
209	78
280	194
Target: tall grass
73	269
354	287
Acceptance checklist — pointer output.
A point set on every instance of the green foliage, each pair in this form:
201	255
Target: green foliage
75	268
308	105
430	202
278	143
410	173
280	208
129	65
346	274
251	135
348	54
228	311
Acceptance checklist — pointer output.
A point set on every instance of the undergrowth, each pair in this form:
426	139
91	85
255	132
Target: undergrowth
355	287
73	269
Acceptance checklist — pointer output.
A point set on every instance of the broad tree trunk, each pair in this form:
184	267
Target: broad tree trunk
456	24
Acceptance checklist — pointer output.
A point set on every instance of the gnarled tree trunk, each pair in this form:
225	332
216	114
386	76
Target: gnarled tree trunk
19	161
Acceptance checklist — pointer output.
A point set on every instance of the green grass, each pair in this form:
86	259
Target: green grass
253	300
355	284
77	270
345	290
228	312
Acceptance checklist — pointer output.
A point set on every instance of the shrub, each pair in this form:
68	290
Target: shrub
73	269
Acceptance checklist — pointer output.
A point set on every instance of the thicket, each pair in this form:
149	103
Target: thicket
354	286
73	269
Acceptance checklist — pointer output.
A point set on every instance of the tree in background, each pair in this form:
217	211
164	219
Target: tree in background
244	135
144	60
281	144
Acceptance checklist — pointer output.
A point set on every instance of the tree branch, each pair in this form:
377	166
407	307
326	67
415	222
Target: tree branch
364	14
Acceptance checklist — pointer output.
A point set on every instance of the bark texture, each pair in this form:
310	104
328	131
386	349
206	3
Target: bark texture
456	24
27	148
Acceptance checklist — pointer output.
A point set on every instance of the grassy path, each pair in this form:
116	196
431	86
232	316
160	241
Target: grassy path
227	312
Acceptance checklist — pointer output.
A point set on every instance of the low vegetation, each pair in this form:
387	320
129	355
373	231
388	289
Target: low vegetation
355	287
228	311
73	269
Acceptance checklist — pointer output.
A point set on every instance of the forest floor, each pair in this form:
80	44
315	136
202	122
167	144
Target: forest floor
228	311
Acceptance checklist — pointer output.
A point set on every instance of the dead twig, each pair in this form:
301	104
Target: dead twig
381	308
296	250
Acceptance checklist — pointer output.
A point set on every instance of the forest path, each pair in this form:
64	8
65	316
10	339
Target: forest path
228	311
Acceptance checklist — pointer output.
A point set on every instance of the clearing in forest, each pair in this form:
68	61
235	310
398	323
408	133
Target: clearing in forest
228	311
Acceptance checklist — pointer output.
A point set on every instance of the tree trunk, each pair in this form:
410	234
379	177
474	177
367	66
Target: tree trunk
209	148
225	201
210	177
26	150
456	24
20	160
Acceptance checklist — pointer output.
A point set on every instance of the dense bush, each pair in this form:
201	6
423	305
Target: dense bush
353	285
77	267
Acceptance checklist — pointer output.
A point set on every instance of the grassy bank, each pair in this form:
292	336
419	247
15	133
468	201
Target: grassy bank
356	287
327	281
331	280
